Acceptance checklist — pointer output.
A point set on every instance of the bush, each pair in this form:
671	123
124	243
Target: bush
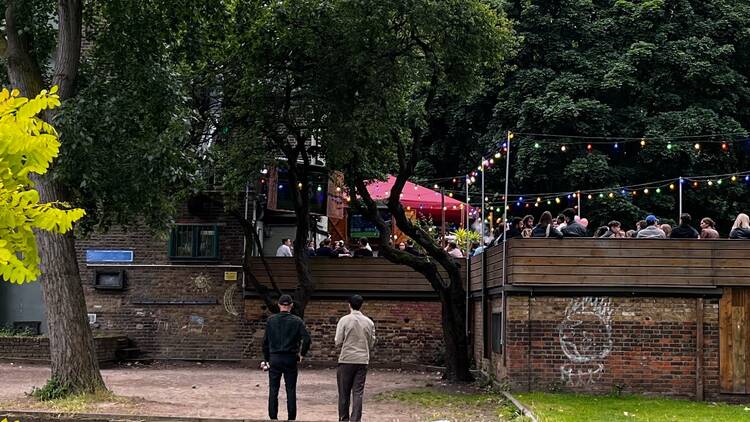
53	390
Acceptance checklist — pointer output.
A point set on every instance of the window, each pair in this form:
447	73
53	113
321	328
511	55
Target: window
194	242
497	332
109	280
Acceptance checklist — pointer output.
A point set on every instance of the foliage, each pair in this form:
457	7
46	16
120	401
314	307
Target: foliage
558	407
15	332
623	68
27	147
52	390
464	237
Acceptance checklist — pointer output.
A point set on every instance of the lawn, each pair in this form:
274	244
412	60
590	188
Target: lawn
550	407
459	406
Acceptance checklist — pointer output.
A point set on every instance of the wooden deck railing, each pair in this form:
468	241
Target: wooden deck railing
618	262
345	274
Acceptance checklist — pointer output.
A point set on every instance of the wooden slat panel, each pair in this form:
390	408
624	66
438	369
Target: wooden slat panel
739	334
725	342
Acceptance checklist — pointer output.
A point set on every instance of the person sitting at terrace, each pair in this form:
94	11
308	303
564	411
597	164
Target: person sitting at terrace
708	229
652	231
572	227
364	249
640	226
285	248
311	248
601	231
741	227
411	249
631	233
667	229
614	229
527	226
545	227
474	248
684	230
559	222
341	250
453	250
516	226
324	249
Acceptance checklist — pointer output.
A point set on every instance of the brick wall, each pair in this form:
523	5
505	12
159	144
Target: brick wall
186	310
606	344
37	348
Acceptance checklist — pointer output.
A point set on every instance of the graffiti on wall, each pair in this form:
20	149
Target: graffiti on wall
586	339
229	300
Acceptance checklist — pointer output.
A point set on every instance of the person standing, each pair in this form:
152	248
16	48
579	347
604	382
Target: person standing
355	333
285	343
285	248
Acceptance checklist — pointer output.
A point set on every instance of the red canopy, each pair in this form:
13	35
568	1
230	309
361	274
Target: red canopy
419	198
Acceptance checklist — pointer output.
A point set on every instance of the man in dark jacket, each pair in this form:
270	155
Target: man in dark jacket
573	228
684	230
282	350
324	249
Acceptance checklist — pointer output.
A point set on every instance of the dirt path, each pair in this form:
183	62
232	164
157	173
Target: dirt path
219	391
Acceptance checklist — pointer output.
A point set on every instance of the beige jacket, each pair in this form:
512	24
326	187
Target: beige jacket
355	333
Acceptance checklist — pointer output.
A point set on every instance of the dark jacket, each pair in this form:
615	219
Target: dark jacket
361	252
324	251
540	231
284	333
684	232
739	233
574	229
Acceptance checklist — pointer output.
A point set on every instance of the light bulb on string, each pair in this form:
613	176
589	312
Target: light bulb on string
589	196
563	148
450	194
747	178
718	182
601	195
643	143
538	199
710	183
549	202
536	144
492	161
557	200
617	146
589	147
724	146
320	188
669	145
658	190
497	155
697	146
611	195
695	184
734	178
671	186
644	191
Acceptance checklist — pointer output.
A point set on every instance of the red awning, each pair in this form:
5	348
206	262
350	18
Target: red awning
419	198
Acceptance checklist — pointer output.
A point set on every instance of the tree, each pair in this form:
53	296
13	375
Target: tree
635	69
126	154
275	114
398	62
27	146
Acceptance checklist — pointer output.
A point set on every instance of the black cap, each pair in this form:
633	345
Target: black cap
285	300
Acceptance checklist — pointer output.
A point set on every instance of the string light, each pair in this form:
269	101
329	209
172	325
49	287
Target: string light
710	183
643	143
601	195
590	196
718	181
658	190
320	188
611	195
557	200
724	146
563	148
497	155
734	178
644	191
671	186
589	147
617	145
669	145
695	184
450	194
536	144
697	146
299	185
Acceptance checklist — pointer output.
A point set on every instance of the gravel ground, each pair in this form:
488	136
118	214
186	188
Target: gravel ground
219	391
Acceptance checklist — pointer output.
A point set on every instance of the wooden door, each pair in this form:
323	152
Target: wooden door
734	314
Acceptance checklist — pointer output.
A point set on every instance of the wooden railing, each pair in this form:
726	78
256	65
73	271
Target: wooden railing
345	274
617	262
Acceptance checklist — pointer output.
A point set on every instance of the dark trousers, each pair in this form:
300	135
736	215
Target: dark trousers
351	380
285	365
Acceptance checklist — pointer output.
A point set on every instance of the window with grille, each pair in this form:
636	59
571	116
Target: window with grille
194	242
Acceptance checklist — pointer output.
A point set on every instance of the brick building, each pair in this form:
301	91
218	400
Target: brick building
181	296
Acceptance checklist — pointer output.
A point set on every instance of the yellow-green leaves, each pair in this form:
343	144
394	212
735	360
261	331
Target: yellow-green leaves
27	146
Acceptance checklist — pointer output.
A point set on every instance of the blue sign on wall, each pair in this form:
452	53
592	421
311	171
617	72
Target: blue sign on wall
98	255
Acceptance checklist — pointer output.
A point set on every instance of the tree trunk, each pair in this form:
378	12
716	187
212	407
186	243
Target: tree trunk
451	292
301	200
72	352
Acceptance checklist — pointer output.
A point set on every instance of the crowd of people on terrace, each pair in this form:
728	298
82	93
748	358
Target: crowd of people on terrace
567	224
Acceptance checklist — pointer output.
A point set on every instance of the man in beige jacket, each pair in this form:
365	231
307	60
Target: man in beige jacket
355	333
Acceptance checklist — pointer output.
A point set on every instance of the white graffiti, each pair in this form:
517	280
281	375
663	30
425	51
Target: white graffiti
586	339
229	300
201	282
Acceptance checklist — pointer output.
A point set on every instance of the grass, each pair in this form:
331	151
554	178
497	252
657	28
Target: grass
433	404
553	407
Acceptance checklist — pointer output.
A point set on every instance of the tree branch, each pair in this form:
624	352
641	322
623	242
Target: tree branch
68	54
